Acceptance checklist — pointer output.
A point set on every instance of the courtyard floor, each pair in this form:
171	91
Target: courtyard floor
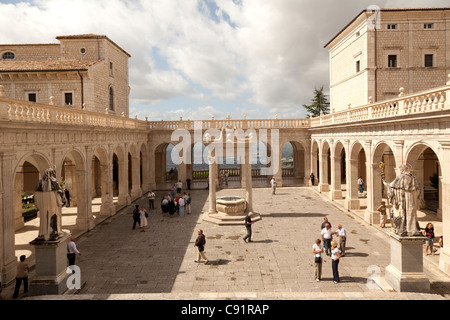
120	263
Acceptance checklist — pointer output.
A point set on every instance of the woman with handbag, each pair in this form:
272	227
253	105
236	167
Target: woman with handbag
317	250
143	215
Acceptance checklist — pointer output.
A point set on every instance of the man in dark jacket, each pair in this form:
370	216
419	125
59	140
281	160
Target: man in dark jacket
136	217
200	244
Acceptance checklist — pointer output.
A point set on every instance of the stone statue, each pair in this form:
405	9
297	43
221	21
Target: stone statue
49	199
403	193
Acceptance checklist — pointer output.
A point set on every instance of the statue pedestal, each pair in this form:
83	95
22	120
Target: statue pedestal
51	267
405	273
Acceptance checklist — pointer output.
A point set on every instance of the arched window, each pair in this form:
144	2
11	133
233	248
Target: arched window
111	99
8	55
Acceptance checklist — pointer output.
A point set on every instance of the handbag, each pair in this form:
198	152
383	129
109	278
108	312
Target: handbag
318	259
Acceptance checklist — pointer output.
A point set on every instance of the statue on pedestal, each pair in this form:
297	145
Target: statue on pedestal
49	199
403	193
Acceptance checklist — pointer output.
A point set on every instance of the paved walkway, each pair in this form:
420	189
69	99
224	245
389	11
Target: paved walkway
120	263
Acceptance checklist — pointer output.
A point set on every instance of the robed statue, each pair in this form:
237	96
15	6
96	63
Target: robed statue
404	194
49	199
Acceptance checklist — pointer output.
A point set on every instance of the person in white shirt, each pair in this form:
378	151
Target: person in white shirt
151	200
179	186
273	183
361	185
317	249
335	256
181	205
342	235
72	251
327	236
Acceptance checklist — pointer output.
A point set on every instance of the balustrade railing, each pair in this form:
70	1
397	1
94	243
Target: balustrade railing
418	103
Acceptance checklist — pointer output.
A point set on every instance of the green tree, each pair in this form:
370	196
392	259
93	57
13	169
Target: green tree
319	104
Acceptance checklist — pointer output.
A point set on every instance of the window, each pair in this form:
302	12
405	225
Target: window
428	25
32	97
392	61
392	27
358	66
428	60
83	50
111	99
111	69
8	56
68	98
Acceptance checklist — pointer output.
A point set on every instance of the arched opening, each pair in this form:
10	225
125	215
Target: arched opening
293	163
315	167
356	169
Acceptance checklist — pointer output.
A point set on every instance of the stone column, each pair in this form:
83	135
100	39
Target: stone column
124	197
351	199
248	177
18	188
323	178
212	185
107	207
336	191
444	257
8	260
136	191
374	189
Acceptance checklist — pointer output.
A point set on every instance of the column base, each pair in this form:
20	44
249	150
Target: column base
324	187
85	224
444	261
372	217
352	204
335	195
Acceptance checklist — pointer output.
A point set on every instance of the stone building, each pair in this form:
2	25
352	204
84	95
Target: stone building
379	52
82	70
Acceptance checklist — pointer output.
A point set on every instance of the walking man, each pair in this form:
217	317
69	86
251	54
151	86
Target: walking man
342	235
72	252
248	225
312	177
273	183
136	217
151	200
22	275
200	243
326	238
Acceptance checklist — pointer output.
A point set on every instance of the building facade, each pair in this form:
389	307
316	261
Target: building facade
381	51
83	71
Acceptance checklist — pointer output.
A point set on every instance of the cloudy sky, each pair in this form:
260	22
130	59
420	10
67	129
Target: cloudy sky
201	58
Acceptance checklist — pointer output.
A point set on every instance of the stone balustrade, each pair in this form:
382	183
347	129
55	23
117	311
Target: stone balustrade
19	110
418	103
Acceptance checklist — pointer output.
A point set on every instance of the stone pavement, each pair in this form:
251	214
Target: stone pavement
120	263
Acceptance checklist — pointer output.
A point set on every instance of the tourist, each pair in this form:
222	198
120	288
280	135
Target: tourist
188	183
188	203
383	214
317	249
342	235
335	256
226	177
429	242
136	217
273	183
441	243
200	243
179	186
72	252
171	206
324	223
174	191
67	195
312	177
181	206
165	207
151	200
326	238
143	215
21	276
361	185
248	225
